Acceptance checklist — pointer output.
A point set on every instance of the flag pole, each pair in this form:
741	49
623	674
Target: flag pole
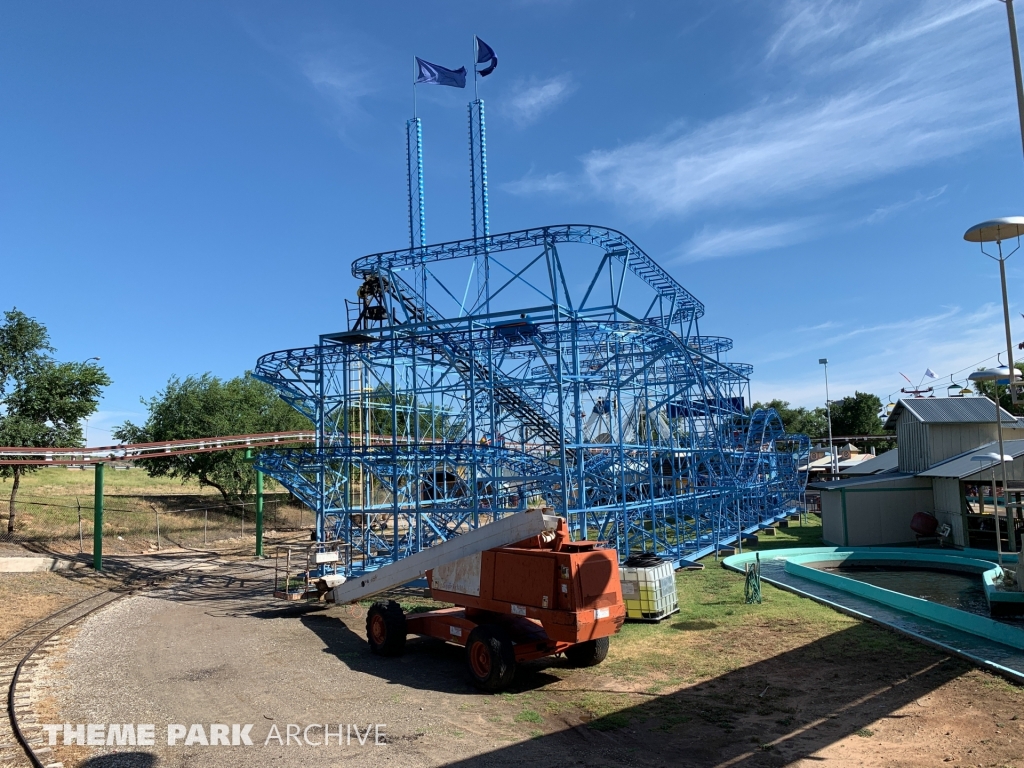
476	77
414	171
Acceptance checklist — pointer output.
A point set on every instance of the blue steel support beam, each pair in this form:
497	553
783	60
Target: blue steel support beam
414	172
479	205
614	410
611	241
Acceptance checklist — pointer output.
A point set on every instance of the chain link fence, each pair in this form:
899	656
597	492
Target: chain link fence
134	524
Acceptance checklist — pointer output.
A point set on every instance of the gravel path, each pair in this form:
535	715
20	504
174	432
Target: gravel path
28	597
205	645
217	651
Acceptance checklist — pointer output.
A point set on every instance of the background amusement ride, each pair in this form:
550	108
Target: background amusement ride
558	366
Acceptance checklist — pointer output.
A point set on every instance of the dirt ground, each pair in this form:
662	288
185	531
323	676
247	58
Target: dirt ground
29	597
786	683
842	704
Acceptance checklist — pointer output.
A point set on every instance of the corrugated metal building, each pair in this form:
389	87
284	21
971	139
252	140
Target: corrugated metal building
885	462
864	511
933	471
930	430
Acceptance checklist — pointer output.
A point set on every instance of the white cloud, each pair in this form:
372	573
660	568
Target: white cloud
548	184
773	151
879	214
819	326
870	358
712	243
337	64
905	328
530	101
932	17
342	82
880	335
810	23
898	94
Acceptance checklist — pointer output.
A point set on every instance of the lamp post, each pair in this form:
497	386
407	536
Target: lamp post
1014	50
998	376
828	410
87	360
993	459
996	231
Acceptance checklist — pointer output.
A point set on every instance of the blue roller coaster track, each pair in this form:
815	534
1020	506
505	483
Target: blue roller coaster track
557	366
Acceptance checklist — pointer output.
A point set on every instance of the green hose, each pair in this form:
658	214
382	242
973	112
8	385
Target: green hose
752	586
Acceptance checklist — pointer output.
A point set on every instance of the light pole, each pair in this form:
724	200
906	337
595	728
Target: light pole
997	376
995	231
87	360
993	459
828	410
1012	23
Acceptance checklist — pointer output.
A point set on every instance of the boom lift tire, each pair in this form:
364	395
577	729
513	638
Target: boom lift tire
587	654
490	658
385	628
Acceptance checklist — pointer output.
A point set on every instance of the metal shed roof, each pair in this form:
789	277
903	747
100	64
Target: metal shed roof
885	462
856	460
948	410
835	485
963	466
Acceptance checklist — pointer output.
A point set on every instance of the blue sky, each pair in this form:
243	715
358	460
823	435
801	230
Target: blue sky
184	185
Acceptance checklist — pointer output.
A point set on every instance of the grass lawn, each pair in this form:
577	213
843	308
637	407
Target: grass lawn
715	632
712	612
656	657
768	684
55	508
62	482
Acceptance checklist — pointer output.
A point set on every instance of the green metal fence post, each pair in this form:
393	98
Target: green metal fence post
259	505
97	521
259	513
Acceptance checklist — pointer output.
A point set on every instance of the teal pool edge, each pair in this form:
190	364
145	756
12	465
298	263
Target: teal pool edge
943	614
959	621
991	574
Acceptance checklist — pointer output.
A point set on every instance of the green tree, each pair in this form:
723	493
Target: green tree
206	406
375	413
987	388
799	421
42	401
857	415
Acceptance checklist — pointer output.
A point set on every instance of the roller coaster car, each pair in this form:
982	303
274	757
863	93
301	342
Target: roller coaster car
521	330
540	597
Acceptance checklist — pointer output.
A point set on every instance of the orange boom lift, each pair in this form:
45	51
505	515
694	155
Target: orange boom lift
538	597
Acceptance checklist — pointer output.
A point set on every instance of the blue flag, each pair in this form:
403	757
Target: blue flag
485	54
432	73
